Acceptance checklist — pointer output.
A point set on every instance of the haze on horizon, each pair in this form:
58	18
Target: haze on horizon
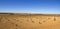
30	6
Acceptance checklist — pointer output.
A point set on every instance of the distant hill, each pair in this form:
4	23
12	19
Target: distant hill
26	14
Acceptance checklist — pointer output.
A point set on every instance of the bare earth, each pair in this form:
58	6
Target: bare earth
20	21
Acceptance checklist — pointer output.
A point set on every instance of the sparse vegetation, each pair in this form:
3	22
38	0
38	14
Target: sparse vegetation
18	21
40	23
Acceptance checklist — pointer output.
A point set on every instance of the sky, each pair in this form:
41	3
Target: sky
30	6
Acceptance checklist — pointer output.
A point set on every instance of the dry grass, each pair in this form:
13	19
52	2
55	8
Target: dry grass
29	22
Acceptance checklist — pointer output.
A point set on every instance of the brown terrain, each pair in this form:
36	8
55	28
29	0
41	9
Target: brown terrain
29	21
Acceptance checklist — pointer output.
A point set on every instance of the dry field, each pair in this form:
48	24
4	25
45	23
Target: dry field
19	21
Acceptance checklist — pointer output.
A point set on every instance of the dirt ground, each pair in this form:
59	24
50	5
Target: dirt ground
29	22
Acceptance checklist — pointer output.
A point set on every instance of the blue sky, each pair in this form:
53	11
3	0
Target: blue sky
30	6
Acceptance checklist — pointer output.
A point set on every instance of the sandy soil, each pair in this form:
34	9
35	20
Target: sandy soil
29	22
